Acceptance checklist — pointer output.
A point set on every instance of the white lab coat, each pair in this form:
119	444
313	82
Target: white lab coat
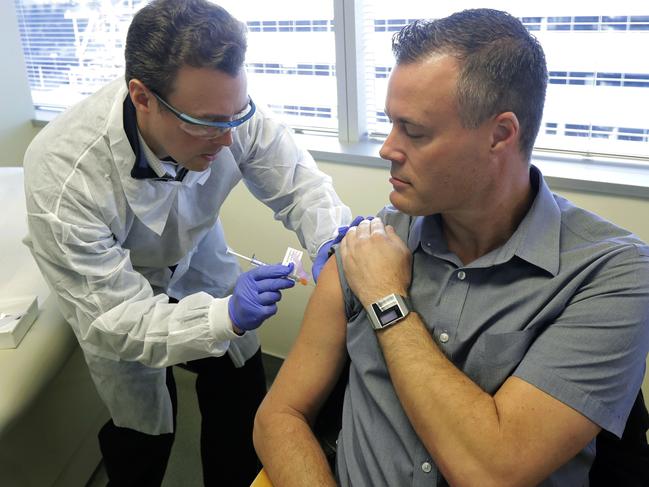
104	242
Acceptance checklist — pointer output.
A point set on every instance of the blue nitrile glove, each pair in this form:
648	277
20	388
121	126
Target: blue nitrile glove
323	253
255	294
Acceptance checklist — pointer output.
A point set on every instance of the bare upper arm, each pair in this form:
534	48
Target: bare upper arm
314	363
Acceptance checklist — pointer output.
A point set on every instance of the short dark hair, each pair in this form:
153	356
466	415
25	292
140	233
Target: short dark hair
502	66
168	34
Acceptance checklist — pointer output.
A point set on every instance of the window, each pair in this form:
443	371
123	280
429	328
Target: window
73	47
325	65
598	92
291	59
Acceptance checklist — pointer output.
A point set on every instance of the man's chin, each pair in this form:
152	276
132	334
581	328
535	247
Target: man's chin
404	206
198	164
399	202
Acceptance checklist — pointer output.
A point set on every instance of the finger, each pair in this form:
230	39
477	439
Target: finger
392	234
356	221
349	236
343	245
342	231
271	271
363	229
269	297
376	226
268	311
274	284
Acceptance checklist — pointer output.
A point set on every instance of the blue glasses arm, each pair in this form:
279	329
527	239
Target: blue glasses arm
229	124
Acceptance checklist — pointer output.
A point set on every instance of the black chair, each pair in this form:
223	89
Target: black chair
623	462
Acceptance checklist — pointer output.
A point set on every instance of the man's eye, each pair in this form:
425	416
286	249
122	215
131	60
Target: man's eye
413	134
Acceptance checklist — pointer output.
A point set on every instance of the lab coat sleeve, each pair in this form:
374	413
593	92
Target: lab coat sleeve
110	306
285	178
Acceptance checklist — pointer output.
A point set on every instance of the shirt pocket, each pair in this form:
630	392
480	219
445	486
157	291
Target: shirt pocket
498	356
505	349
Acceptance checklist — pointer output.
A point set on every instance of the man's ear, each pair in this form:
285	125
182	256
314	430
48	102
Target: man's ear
505	131
140	96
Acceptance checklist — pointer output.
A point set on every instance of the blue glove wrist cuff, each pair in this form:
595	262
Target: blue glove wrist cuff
231	314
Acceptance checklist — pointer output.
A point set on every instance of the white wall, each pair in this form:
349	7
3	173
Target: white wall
16	109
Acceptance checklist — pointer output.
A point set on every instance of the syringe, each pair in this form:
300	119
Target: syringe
259	263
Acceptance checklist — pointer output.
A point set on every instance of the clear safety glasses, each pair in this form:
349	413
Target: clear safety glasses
208	129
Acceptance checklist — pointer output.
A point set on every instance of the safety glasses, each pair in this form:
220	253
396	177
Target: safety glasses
208	129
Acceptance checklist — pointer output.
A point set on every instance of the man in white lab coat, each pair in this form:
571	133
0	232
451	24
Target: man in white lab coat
123	195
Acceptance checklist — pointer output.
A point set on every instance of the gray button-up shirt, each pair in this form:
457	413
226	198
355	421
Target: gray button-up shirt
563	304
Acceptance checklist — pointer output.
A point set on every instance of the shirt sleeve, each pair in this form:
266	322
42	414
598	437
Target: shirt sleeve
401	224
285	178
592	357
112	307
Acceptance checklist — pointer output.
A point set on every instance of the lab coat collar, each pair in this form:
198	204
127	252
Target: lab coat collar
151	198
141	168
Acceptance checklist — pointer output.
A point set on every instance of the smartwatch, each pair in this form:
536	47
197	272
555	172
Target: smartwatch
388	310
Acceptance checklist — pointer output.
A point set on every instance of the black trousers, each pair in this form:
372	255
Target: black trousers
228	399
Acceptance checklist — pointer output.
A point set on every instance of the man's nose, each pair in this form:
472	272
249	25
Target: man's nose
224	139
389	149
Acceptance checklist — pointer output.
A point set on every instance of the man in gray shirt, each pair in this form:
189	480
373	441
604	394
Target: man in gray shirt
494	328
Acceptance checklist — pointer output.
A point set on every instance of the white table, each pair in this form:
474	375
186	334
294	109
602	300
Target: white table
49	410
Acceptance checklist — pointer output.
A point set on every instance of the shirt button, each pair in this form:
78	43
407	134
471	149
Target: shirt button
426	467
461	275
443	337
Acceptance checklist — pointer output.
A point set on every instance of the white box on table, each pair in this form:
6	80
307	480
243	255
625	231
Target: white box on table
16	317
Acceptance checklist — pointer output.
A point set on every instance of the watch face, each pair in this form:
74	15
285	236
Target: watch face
389	316
387	311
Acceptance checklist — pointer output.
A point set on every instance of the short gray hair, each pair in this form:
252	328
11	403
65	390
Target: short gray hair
502	66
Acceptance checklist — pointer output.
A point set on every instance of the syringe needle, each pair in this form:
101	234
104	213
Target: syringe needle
252	259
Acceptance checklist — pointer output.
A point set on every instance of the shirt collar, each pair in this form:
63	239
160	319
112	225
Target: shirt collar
153	161
539	233
147	164
536	240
